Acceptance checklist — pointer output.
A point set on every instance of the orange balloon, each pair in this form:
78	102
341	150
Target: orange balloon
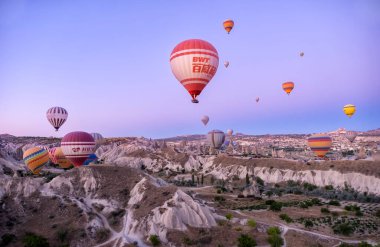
228	25
288	86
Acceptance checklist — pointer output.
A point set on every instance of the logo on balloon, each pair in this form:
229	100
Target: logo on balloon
75	149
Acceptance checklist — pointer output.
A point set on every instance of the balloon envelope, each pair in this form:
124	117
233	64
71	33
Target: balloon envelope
52	155
57	116
216	138
77	146
194	63
61	159
205	120
35	158
351	135
226	64
349	110
228	25
301	54
288	86
320	144
229	132
90	159
257	99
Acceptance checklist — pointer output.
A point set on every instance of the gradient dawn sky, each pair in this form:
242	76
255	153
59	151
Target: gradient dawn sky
107	63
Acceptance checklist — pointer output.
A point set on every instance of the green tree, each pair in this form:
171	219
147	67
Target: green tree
251	223
246	241
155	240
275	240
229	216
273	230
33	240
276	206
246	179
193	178
202	179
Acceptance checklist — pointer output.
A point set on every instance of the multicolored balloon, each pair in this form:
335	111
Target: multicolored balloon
351	135
228	25
216	138
320	144
194	63
36	158
226	64
52	155
57	116
288	86
349	110
205	120
77	146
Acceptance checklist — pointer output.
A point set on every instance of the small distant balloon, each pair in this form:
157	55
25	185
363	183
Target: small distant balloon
216	138
302	54
257	99
205	120
229	132
288	86
57	116
351	135
349	110
226	64
228	25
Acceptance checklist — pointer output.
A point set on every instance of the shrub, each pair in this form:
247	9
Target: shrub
344	229
325	210
269	202
229	216
260	181
7	239
246	241
273	230
102	235
155	240
359	213
276	206
329	187
62	235
33	240
364	244
377	214
251	223
275	240
334	203
219	198
308	223
286	218
187	241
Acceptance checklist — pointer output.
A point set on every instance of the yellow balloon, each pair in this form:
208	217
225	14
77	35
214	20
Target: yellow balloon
349	110
61	159
36	158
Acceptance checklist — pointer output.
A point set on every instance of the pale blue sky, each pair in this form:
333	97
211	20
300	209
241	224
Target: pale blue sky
107	63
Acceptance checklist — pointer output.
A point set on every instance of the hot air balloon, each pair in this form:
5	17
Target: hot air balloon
228	25
229	132
349	110
257	100
57	116
288	87
61	159
226	64
90	159
36	158
52	155
205	120
97	137
320	144
194	63
77	146
216	138
301	54
351	135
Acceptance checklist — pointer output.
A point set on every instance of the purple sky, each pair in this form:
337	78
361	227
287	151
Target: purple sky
107	63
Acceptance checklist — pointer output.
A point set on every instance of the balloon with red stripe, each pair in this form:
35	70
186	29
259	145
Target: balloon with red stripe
194	63
52	155
320	144
57	116
77	146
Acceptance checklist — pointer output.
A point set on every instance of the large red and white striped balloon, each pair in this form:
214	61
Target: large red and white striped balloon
57	116
77	146
194	63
